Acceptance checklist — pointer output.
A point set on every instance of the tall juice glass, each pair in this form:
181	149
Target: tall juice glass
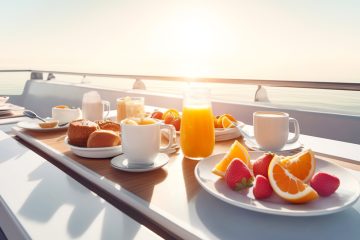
197	136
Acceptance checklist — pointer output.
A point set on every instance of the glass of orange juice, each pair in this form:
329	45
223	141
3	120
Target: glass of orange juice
197	136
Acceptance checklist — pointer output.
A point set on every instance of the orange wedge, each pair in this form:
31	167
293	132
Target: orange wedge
227	123
215	122
288	186
229	116
173	112
301	165
61	106
236	151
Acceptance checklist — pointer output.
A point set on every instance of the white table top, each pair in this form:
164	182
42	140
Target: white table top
49	204
205	217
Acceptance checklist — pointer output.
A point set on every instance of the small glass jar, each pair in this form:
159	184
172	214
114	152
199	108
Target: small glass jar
130	107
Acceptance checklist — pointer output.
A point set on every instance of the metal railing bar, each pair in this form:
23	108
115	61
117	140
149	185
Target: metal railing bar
351	86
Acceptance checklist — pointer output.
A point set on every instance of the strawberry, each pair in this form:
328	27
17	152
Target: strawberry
324	184
176	123
238	175
261	165
262	188
157	115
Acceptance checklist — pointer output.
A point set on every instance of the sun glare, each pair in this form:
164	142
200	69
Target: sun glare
190	39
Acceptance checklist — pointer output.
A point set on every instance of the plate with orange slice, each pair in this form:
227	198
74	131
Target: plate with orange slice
292	196
227	127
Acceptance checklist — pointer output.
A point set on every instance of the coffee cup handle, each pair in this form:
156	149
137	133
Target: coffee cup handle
297	130
171	129
106	107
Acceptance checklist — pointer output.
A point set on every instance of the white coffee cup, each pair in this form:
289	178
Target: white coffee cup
141	143
271	129
65	115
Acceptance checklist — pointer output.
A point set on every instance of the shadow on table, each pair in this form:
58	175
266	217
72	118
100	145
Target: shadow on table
9	149
188	167
245	224
53	194
141	184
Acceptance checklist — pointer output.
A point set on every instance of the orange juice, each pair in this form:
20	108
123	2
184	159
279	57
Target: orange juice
197	136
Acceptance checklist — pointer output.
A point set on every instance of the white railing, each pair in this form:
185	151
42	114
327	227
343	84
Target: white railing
260	94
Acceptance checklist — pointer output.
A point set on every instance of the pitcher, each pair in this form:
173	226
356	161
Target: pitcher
93	107
197	135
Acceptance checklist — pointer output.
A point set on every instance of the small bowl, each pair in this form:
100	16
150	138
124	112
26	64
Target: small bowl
105	152
65	115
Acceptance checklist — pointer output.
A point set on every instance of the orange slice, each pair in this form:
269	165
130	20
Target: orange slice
171	111
236	151
230	117
215	122
288	186
61	106
220	121
301	165
227	123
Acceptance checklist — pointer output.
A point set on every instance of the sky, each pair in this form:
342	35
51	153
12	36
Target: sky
258	39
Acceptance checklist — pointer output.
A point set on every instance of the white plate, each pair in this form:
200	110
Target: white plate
105	152
33	125
252	144
121	163
346	195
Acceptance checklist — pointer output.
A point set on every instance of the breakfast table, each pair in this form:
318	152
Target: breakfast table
171	202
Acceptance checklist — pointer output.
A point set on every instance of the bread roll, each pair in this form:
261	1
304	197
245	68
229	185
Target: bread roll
79	132
109	125
103	138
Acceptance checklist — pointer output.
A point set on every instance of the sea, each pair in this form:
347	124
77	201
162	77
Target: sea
319	100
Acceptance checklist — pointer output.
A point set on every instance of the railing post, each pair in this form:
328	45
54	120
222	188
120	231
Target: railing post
83	80
139	84
261	95
36	75
50	76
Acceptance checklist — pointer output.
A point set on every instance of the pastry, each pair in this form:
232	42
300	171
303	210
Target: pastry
79	132
103	138
109	125
49	124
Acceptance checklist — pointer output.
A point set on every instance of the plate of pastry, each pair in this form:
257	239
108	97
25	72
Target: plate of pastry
39	126
94	139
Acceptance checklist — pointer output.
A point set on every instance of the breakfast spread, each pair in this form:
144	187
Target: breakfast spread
292	177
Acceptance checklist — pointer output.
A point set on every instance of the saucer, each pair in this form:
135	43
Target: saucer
252	144
121	163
